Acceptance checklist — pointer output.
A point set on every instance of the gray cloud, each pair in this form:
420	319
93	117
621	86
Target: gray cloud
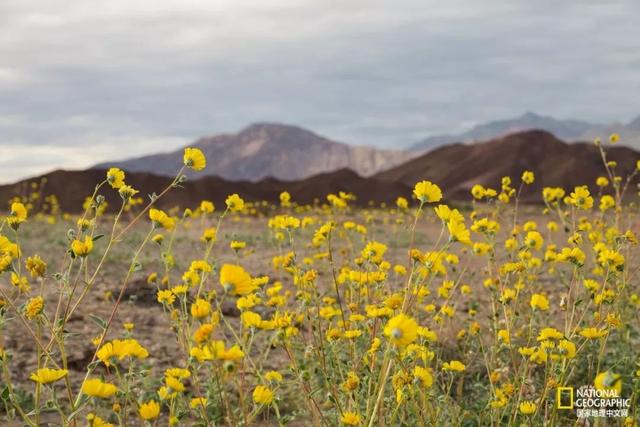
84	81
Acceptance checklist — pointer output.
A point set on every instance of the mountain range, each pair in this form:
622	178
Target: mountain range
568	130
264	159
454	167
291	153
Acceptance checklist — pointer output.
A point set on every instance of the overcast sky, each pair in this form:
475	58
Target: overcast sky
85	81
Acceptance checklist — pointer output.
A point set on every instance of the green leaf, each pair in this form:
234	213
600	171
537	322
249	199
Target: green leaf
98	321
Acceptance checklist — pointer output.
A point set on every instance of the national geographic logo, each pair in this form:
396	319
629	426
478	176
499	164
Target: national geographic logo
564	397
593	402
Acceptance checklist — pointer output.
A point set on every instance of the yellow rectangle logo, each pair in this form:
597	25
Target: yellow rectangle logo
561	397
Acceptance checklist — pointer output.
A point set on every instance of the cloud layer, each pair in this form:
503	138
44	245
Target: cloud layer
85	81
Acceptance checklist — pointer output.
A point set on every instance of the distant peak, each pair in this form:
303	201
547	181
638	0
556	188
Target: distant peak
634	124
279	132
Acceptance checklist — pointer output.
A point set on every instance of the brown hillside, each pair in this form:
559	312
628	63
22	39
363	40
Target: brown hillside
457	167
72	187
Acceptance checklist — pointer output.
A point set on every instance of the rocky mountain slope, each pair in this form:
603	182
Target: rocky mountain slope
272	150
